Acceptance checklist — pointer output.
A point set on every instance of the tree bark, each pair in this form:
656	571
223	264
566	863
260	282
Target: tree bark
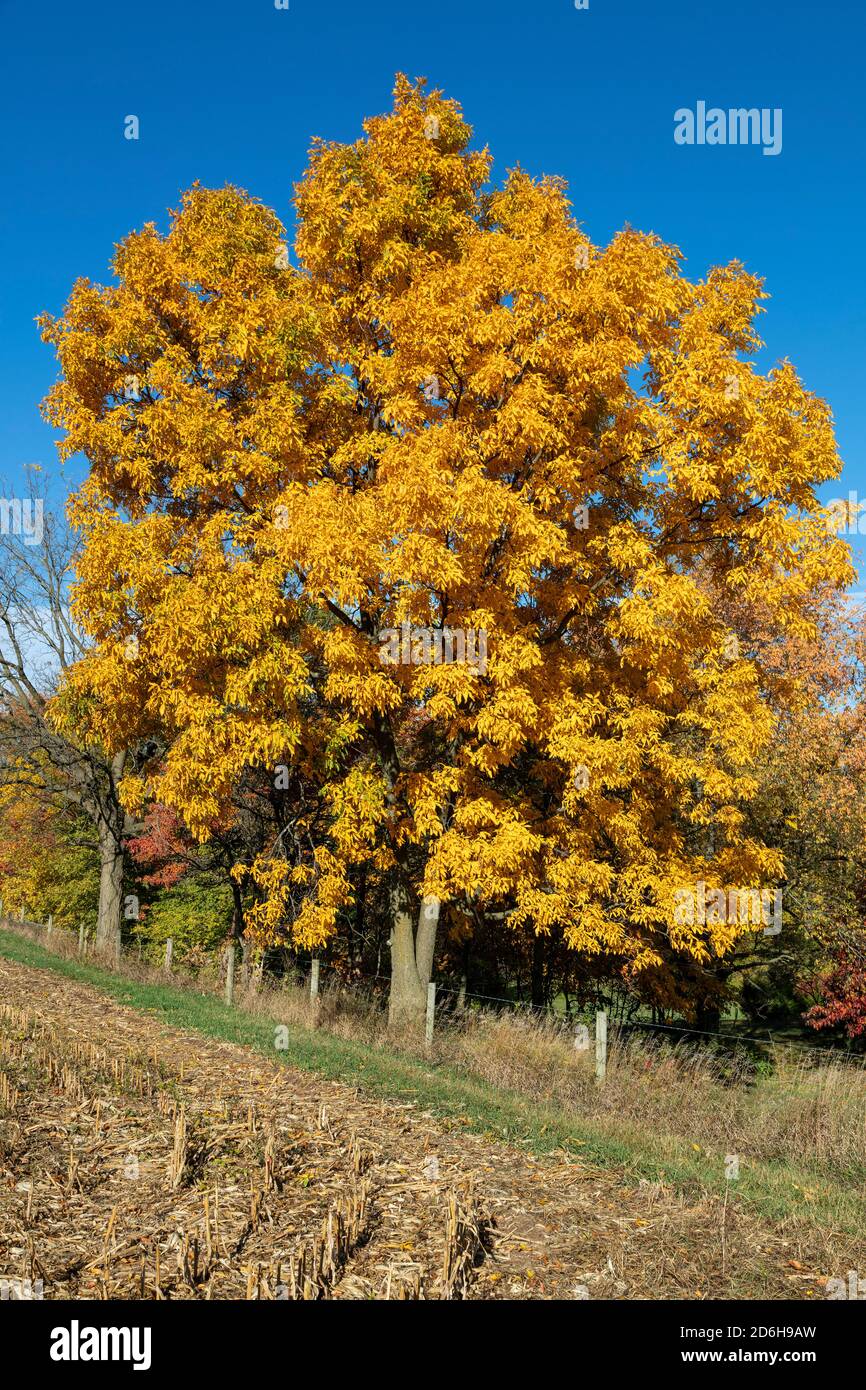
708	1018
425	940
411	952
355	930
237	928
110	912
411	959
536	980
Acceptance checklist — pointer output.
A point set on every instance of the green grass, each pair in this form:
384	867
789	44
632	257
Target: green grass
774	1190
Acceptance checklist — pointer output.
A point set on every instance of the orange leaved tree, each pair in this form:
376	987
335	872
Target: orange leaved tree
422	516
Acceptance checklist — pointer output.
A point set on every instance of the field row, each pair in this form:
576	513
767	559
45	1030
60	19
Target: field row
122	1182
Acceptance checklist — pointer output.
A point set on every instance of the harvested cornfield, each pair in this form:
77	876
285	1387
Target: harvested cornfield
141	1162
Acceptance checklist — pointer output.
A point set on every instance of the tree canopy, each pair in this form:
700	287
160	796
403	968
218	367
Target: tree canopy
447	410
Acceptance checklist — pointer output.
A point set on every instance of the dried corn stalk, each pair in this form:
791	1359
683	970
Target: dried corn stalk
464	1245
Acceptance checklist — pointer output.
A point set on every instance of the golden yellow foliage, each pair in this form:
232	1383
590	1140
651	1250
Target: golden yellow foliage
452	411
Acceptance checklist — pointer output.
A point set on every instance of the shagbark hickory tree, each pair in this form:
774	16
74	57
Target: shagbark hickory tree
450	410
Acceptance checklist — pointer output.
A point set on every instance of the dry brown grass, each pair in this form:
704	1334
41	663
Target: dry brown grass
806	1109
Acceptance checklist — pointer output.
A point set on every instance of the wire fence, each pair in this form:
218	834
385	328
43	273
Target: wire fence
318	980
586	1014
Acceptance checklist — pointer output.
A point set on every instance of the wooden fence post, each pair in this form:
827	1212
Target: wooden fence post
431	1014
601	1045
81	941
230	973
168	950
314	990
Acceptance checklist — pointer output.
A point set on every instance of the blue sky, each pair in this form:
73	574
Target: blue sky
233	90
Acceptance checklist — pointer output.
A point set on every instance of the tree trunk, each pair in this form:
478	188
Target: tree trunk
355	929
110	914
425	940
536	979
464	978
708	1017
237	928
411	959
